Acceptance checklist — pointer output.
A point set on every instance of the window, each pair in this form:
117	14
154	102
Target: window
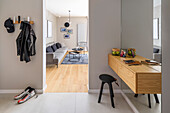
156	28
49	29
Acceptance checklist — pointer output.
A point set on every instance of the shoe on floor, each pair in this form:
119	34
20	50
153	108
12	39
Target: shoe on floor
27	96
22	94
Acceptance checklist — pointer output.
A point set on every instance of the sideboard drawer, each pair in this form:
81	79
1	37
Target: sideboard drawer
113	64
127	76
149	83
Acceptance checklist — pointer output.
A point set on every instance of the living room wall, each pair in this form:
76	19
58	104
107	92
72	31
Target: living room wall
72	42
157	14
51	17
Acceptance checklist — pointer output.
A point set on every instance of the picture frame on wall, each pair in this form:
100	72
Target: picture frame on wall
49	29
66	36
70	31
63	29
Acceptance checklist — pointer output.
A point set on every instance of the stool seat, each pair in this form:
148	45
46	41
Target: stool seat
107	78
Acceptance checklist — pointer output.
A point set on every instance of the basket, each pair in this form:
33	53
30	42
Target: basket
115	51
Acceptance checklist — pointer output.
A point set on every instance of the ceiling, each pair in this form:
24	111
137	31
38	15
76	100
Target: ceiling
61	7
157	3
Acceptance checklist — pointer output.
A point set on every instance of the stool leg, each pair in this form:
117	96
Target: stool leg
101	91
136	95
111	95
149	100
156	98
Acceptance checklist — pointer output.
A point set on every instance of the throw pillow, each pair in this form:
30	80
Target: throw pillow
49	49
57	45
155	50
54	47
60	45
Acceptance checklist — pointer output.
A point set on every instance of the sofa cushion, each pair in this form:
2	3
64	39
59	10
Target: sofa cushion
61	50
54	47
58	56
58	45
155	50
49	49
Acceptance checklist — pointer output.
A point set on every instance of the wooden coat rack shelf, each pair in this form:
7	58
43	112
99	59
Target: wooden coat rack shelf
31	22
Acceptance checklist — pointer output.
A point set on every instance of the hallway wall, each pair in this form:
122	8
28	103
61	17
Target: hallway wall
13	73
104	34
165	55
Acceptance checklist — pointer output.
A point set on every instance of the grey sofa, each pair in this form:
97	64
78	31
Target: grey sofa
55	52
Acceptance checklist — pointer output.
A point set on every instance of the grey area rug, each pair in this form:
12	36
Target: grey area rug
83	59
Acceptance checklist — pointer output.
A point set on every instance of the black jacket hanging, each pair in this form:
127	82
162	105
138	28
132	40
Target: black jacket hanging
26	42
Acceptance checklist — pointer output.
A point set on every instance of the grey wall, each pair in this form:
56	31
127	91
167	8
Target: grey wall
104	34
165	55
51	17
137	25
13	73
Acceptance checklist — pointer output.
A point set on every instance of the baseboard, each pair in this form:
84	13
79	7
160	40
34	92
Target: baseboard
130	103
10	91
104	91
44	88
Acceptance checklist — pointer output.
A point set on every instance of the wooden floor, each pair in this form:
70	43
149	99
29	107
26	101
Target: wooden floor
67	78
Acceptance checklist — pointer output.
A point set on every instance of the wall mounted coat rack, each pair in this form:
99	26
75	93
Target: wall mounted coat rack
19	20
16	22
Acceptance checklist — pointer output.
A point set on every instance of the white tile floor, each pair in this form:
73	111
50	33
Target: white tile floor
64	103
141	103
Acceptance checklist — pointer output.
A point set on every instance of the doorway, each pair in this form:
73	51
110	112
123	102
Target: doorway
66	46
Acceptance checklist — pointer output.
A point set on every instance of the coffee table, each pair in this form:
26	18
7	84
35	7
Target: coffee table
74	54
78	49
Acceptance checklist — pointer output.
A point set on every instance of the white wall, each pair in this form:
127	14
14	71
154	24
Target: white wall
72	42
137	26
157	14
13	73
51	17
104	34
165	55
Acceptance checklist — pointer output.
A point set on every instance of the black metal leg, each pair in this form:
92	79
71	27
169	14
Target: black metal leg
111	95
69	58
149	100
57	65
101	91
136	95
79	57
156	98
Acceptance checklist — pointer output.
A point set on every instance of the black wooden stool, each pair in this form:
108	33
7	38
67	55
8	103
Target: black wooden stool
105	78
149	100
